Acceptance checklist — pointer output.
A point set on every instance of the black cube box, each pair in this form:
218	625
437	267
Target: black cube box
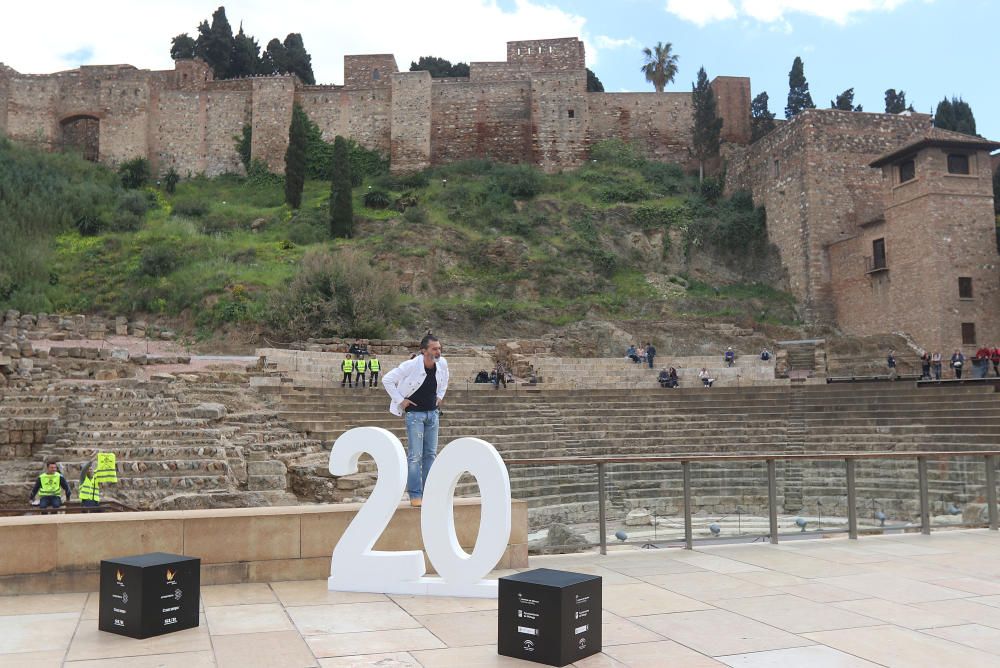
149	594
550	617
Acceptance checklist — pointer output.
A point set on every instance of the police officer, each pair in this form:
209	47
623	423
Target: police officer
360	369
374	366
49	487
347	366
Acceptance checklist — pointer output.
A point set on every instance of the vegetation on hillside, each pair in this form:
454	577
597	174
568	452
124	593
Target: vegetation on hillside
475	246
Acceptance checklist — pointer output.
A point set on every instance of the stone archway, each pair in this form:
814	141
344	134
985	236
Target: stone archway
81	134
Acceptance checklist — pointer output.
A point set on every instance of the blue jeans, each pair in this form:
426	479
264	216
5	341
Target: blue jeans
49	501
421	444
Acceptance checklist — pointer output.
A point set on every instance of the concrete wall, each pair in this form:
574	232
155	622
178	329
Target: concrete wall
480	120
659	124
62	553
411	121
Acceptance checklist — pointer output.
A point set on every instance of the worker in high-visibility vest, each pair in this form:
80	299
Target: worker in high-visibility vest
347	366
89	492
50	486
360	369
374	366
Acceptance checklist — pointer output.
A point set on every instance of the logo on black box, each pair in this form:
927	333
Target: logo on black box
529	645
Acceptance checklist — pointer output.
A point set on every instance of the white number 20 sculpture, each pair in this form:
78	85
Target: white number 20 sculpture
355	566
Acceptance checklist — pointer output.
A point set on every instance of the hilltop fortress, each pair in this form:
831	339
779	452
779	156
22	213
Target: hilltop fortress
883	222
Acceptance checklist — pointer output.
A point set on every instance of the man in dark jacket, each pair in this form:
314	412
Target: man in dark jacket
49	487
650	354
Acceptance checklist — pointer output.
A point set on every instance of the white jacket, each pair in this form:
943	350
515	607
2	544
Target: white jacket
405	379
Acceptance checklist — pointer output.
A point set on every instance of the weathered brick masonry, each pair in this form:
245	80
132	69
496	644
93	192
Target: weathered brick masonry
532	108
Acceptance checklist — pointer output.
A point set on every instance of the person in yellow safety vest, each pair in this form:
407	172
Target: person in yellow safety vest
374	367
49	487
347	366
90	494
360	367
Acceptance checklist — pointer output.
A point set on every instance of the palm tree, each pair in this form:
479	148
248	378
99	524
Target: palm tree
661	65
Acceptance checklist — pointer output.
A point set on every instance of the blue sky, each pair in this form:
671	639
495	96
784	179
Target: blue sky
928	48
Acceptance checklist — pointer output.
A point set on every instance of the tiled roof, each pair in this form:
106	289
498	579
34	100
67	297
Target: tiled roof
936	137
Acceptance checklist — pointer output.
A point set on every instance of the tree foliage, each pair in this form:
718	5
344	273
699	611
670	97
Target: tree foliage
956	115
594	84
440	68
244	143
799	98
182	46
660	66
761	117
707	127
895	102
236	56
845	101
341	204
295	158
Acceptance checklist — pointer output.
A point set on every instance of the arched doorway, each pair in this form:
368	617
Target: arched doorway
81	134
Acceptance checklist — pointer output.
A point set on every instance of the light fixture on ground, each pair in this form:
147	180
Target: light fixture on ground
801	523
621	535
715	529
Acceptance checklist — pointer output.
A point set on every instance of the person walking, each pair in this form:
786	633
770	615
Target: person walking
957	362
347	366
650	354
416	389
360	369
374	366
89	493
49	487
936	363
891	362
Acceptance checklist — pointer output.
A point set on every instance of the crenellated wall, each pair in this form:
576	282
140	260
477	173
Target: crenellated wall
533	108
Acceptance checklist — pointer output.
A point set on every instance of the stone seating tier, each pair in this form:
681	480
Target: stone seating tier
721	420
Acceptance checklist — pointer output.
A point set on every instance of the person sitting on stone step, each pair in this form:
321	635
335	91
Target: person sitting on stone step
632	354
730	357
706	379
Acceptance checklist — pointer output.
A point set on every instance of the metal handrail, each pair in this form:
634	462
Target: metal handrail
849	458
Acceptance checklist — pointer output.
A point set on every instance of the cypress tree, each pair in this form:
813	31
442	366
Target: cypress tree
761	118
295	158
298	62
895	103
845	101
182	46
275	58
707	126
799	98
215	43
341	205
956	115
245	59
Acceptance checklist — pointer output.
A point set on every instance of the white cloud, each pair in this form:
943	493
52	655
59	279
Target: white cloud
139	33
702	12
605	42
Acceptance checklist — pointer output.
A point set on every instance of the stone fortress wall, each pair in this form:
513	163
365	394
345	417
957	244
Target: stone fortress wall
531	108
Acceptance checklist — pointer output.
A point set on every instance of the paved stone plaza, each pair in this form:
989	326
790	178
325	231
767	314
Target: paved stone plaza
907	600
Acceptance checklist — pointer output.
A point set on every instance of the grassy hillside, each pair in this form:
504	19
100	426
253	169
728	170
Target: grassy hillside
473	248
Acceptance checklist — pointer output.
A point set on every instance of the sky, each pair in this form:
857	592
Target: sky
928	48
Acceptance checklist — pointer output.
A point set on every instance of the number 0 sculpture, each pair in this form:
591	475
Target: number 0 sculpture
355	566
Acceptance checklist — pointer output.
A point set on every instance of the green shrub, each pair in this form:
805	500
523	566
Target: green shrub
651	216
170	180
415	215
519	181
615	152
158	260
622	192
91	224
190	208
259	174
136	203
134	173
335	295
711	188
376	199
244	141
666	176
304	233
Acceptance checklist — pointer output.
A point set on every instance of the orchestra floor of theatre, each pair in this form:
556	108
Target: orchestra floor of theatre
901	600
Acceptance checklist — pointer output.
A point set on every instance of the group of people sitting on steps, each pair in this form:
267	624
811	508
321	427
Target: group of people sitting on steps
357	370
500	375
